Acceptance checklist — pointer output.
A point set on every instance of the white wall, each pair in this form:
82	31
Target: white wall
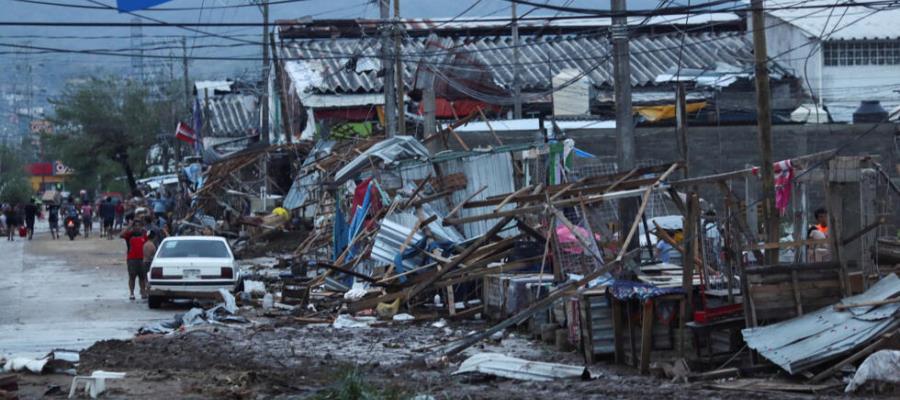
790	46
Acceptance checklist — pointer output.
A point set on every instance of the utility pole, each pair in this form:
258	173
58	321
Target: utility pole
625	153
387	66
187	90
681	126
517	90
398	55
265	74
764	127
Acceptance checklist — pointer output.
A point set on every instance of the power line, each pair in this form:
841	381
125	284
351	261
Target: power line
105	7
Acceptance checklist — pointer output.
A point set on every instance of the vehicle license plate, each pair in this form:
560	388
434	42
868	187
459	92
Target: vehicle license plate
192	274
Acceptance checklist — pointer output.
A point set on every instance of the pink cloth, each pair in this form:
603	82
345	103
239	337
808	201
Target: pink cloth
569	242
784	176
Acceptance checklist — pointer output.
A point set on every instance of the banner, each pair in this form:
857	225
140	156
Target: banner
184	133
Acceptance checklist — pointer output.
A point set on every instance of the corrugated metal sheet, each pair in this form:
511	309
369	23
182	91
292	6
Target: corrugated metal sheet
517	368
804	342
650	57
493	170
232	115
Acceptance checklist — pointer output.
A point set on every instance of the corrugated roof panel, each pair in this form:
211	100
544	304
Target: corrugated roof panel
651	56
232	115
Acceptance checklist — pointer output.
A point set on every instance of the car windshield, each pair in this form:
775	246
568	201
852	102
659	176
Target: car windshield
193	248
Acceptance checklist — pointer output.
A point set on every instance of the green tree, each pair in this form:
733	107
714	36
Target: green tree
14	186
103	126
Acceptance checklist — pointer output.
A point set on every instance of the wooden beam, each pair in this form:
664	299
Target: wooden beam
797	161
842	307
643	207
646	336
463	203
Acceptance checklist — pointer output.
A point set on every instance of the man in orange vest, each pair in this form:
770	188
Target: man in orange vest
819	231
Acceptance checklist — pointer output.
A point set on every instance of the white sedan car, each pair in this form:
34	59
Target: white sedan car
191	267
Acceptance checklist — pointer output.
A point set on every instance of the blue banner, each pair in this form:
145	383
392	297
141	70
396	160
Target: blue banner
135	5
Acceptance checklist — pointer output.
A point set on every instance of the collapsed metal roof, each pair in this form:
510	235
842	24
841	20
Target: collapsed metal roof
353	65
812	339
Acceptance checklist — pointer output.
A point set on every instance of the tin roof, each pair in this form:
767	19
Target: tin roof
352	65
232	115
812	339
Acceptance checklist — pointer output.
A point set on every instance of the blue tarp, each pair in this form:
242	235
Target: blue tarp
135	5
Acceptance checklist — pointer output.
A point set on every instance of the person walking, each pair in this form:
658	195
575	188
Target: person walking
119	215
53	219
87	217
107	211
135	237
30	211
149	253
11	222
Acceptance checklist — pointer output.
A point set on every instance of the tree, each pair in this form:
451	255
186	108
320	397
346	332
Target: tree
105	122
14	187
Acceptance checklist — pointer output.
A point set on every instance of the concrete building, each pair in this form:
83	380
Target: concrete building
843	53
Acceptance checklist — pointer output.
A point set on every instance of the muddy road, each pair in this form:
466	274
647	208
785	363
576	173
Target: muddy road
65	294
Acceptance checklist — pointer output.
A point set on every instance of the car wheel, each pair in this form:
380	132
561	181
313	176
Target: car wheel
154	301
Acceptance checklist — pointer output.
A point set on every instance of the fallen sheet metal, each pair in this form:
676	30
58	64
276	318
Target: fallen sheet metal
815	338
517	368
389	151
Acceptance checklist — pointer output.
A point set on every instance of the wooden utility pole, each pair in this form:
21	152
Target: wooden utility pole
398	59
279	87
187	92
625	153
265	74
387	67
681	126
517	89
764	127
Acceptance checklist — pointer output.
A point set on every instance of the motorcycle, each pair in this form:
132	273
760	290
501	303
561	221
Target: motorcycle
71	228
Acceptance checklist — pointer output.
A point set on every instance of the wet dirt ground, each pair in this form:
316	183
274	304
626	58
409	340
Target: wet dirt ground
61	294
65	294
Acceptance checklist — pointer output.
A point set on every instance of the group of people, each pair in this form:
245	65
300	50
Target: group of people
19	219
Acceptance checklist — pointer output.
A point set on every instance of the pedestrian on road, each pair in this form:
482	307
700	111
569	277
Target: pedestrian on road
53	219
87	217
120	216
12	222
135	237
149	253
107	211
31	211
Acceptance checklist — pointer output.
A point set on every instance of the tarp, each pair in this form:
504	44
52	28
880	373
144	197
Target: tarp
661	113
135	5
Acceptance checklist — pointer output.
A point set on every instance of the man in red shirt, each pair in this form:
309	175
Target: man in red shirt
134	240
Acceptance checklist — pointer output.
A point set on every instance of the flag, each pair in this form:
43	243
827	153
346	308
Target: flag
135	5
197	125
184	133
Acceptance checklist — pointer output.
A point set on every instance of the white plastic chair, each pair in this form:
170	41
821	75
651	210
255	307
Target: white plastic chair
95	384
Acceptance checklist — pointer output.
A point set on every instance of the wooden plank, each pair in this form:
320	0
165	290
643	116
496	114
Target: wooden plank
787	245
463	203
842	307
618	335
646	336
796	290
797	161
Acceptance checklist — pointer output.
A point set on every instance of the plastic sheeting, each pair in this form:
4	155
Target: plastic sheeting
883	366
628	290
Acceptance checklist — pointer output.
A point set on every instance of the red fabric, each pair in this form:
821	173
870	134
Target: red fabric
39	169
351	114
359	195
135	245
184	133
445	108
